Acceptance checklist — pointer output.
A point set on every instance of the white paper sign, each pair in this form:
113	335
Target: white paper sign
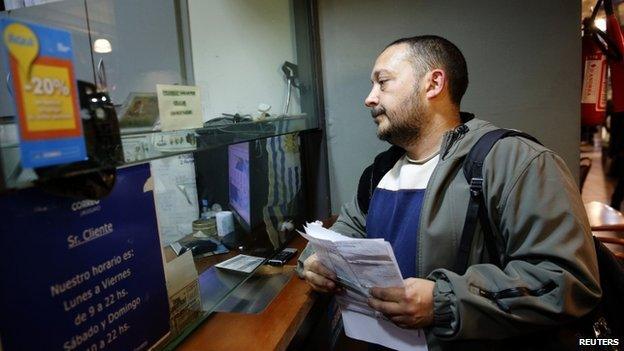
175	194
179	107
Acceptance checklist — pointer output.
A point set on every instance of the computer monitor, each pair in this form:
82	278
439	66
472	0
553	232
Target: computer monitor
248	185
239	181
260	181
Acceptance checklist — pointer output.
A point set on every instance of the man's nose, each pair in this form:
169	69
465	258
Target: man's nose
372	99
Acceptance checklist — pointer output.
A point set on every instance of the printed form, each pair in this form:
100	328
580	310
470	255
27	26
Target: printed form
361	264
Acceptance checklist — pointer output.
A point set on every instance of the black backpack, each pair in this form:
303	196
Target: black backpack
607	319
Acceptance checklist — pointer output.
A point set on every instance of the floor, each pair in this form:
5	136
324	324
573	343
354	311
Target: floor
598	187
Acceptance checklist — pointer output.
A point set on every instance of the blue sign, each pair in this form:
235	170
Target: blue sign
82	274
43	86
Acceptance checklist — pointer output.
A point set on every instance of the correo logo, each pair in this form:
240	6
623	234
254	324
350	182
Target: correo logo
80	205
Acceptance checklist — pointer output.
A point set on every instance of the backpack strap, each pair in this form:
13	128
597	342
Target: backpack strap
477	210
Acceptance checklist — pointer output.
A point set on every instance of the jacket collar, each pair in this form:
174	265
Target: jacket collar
458	142
455	143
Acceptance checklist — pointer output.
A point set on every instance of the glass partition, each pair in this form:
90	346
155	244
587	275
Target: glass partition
251	60
256	187
230	185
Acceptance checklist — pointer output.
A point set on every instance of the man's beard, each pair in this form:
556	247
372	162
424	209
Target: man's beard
404	125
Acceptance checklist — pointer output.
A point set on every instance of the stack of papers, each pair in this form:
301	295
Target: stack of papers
241	263
361	264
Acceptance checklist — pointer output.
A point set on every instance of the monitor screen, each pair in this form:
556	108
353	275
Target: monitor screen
238	166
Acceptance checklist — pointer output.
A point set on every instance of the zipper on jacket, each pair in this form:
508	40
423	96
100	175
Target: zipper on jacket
496	297
453	136
447	141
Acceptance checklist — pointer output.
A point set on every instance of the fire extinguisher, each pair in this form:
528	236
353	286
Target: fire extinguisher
594	70
600	48
614	50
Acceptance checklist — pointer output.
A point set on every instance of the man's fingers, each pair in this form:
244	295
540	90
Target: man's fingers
319	282
408	307
388	308
402	321
318	268
318	288
388	294
312	264
318	276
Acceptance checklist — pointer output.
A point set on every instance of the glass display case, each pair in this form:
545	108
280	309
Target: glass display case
138	242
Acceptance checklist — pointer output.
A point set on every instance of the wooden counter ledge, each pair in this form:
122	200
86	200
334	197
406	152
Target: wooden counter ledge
273	329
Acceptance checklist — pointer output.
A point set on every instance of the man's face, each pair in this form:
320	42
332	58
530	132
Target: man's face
396	99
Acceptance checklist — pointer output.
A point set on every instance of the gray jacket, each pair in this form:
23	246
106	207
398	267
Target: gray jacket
551	273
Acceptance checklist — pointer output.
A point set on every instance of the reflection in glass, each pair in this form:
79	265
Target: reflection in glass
261	183
251	59
136	46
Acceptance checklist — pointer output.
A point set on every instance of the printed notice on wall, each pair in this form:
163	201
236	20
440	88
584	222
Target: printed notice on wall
40	60
179	107
175	192
82	274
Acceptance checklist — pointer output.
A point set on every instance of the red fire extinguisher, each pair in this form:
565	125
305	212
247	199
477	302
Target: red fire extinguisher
614	52
600	48
594	70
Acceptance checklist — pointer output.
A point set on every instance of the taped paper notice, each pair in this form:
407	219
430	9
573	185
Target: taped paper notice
179	107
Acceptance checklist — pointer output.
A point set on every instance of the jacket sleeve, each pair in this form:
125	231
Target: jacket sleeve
351	222
550	273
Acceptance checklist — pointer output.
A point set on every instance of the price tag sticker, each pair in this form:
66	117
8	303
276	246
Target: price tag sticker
40	60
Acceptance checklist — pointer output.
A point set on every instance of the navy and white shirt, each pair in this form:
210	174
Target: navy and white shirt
394	212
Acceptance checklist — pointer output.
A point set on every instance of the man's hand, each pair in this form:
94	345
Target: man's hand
318	276
408	307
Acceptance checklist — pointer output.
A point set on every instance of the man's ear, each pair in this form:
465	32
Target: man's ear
436	80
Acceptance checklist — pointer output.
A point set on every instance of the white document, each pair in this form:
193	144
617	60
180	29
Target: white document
382	331
175	194
361	264
241	263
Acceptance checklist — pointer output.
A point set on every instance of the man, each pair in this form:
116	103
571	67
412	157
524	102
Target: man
415	196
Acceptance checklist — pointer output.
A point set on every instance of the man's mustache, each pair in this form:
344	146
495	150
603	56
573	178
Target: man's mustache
377	111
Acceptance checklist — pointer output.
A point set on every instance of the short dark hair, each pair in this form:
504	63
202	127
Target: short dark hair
430	52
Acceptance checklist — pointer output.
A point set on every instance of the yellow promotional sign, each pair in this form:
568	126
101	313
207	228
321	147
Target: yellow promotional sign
46	100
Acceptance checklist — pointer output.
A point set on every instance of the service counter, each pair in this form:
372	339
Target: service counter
272	329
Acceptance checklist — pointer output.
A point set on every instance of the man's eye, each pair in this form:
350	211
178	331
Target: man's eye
382	82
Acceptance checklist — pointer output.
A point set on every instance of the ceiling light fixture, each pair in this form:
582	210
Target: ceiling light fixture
102	46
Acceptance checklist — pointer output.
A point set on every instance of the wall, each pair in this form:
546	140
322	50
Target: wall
238	48
523	62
